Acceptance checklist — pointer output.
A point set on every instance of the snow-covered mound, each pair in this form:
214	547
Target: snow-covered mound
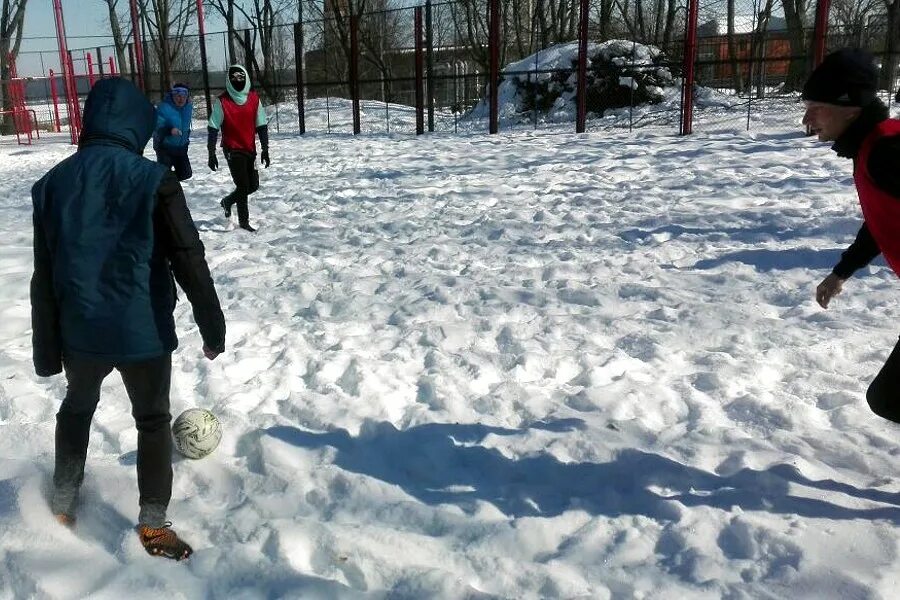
621	75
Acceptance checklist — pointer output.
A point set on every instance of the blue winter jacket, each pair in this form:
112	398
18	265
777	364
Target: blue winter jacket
169	116
102	286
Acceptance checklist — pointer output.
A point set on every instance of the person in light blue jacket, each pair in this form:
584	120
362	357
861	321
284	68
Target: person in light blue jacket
173	130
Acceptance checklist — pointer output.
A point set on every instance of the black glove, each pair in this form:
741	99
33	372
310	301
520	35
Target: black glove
264	158
213	161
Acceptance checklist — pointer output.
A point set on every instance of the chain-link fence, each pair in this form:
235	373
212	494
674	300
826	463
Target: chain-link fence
435	67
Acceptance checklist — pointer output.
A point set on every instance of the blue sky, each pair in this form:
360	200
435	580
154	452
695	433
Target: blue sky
83	18
87	26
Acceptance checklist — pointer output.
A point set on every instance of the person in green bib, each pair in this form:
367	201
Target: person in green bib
240	115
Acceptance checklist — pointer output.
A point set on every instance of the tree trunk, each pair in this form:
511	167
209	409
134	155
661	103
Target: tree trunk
795	16
671	12
732	51
606	7
12	19
118	40
892	46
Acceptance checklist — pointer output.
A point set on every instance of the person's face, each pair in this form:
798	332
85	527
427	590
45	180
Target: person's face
829	121
238	79
179	99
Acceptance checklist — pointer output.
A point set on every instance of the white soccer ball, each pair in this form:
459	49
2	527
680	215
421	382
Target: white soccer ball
196	432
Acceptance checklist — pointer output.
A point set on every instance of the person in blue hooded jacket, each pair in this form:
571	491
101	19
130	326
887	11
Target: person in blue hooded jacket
112	234
173	130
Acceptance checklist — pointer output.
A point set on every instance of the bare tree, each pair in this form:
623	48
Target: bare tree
381	31
120	41
797	18
736	74
166	22
12	20
892	44
648	21
225	8
758	46
851	18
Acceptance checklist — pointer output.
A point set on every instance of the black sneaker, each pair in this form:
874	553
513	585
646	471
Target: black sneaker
226	208
164	542
248	227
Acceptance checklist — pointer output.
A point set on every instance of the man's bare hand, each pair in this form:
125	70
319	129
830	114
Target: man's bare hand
175	131
829	288
210	354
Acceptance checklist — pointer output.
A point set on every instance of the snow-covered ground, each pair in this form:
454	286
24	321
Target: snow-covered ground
514	366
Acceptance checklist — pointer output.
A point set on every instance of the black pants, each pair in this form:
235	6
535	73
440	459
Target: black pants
147	383
884	392
177	159
246	181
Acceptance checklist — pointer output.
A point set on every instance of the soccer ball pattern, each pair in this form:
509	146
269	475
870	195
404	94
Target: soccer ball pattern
196	433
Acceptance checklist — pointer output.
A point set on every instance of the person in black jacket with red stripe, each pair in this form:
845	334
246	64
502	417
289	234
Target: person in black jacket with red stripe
112	234
842	107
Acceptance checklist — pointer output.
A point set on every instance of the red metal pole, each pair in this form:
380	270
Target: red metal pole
17	97
821	32
581	94
690	53
494	48
90	68
64	63
112	67
138	45
55	100
75	105
420	75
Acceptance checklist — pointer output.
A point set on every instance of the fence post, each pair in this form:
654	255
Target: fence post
420	92
55	98
494	75
90	68
74	104
690	53
581	94
100	62
201	24
138	46
429	53
298	66
112	67
354	71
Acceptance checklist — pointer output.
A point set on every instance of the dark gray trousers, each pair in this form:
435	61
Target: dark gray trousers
147	383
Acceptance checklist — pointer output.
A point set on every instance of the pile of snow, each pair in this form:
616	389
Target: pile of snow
620	74
624	79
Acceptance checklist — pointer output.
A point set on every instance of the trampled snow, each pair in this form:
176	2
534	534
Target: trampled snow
529	365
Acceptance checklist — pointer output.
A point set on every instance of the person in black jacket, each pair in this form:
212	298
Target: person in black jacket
111	229
842	108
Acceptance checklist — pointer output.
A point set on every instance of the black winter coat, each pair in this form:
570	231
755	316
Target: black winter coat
111	229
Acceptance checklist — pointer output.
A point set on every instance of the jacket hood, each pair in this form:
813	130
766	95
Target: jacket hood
117	113
239	96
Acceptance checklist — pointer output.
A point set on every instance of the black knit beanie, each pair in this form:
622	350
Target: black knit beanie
847	77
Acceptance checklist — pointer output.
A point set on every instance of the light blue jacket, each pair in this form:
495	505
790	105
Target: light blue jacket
169	116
